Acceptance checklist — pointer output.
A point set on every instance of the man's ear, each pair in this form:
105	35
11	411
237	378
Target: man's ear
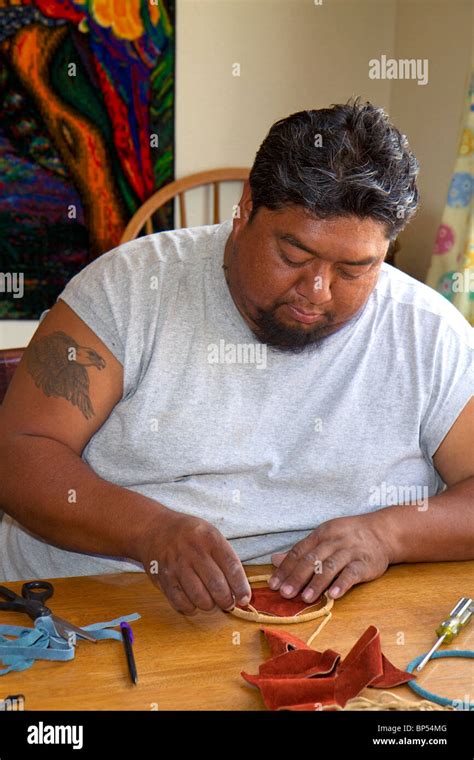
246	201
393	248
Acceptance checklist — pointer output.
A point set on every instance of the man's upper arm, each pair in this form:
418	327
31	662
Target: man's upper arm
66	384
454	457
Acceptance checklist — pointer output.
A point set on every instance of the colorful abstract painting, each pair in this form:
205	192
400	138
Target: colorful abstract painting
86	134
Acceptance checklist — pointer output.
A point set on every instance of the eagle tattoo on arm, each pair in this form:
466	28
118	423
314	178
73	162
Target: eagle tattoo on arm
58	365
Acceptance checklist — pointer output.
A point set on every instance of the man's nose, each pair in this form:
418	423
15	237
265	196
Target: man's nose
315	288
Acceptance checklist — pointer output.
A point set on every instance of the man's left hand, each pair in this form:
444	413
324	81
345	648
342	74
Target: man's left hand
354	549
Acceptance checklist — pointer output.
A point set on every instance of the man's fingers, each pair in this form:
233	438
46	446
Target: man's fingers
353	573
216	583
330	567
298	566
232	568
175	593
290	560
196	590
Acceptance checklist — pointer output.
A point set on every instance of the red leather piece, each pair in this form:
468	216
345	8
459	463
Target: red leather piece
270	602
287	692
282	641
297	677
300	662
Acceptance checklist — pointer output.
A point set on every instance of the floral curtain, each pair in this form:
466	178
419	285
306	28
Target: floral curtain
452	265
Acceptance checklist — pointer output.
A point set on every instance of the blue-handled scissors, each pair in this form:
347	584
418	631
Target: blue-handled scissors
31	603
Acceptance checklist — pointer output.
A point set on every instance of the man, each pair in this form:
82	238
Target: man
266	389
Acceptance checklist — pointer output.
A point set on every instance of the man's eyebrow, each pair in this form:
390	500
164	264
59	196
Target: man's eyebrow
298	244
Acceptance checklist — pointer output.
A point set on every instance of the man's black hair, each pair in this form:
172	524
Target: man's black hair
338	161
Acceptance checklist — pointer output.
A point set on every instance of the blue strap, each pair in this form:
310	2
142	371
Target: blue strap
43	642
444	701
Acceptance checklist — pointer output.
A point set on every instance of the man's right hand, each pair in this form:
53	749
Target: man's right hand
194	565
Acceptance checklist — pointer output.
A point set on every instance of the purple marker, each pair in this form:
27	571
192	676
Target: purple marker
127	638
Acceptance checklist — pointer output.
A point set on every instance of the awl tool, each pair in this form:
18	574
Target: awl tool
459	616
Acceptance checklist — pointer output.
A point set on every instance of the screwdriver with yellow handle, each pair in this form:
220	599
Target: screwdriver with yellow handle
459	616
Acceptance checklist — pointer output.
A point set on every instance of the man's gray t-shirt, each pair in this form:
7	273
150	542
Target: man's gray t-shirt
263	444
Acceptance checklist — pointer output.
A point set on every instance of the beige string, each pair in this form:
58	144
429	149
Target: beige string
257	617
387	700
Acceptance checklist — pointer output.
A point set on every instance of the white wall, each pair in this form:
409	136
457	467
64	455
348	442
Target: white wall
294	55
15	333
431	115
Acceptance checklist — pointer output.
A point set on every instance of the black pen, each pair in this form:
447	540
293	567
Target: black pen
127	637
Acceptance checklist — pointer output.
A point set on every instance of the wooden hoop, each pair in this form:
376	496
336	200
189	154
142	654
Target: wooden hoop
257	617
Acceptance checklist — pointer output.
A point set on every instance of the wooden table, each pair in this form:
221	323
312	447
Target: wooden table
194	663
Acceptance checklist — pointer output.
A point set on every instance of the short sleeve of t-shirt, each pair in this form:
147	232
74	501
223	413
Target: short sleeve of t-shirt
452	382
114	295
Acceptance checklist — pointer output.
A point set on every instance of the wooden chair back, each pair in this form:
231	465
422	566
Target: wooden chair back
143	216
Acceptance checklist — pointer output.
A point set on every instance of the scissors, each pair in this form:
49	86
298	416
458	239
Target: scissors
31	602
